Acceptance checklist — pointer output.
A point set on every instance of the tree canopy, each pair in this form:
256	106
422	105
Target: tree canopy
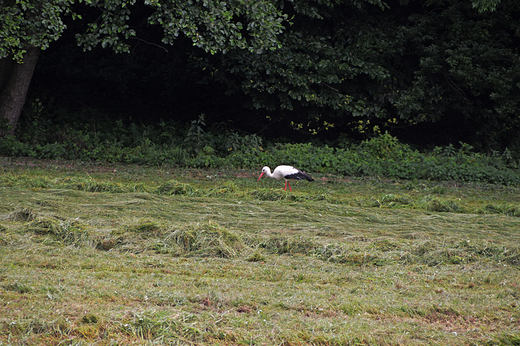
451	64
440	70
212	25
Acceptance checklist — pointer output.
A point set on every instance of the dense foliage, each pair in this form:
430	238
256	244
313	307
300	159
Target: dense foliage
32	25
213	26
196	145
432	73
390	65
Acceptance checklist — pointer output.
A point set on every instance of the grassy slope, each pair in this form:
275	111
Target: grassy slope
105	256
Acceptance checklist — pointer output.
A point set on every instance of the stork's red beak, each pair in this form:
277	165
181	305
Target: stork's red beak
260	176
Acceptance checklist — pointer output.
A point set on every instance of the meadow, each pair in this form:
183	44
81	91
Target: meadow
132	255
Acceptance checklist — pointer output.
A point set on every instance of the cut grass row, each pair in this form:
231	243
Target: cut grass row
125	266
429	196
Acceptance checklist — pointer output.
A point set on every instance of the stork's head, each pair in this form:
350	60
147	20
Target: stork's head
264	170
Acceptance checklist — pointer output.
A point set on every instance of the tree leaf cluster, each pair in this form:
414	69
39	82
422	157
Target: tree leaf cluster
211	25
30	24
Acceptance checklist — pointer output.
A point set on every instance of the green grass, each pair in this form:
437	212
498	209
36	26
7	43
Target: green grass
126	255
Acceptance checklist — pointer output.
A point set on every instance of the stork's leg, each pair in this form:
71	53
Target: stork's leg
286	186
289	186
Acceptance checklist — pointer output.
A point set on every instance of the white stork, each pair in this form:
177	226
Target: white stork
287	173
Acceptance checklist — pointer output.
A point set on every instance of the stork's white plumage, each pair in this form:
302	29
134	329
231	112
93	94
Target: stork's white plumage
287	173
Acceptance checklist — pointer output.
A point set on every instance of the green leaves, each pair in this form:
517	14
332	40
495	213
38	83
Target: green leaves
211	25
111	29
467	70
343	62
219	26
485	5
366	60
319	69
29	23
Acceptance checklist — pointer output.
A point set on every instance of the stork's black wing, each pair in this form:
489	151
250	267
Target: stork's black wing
299	176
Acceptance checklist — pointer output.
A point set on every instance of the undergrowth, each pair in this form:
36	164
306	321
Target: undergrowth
193	146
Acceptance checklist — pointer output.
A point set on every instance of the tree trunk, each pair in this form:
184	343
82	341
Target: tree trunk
15	79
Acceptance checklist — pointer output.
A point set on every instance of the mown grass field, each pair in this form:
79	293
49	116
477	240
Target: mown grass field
126	255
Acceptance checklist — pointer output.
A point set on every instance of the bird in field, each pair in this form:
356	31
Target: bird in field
287	173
